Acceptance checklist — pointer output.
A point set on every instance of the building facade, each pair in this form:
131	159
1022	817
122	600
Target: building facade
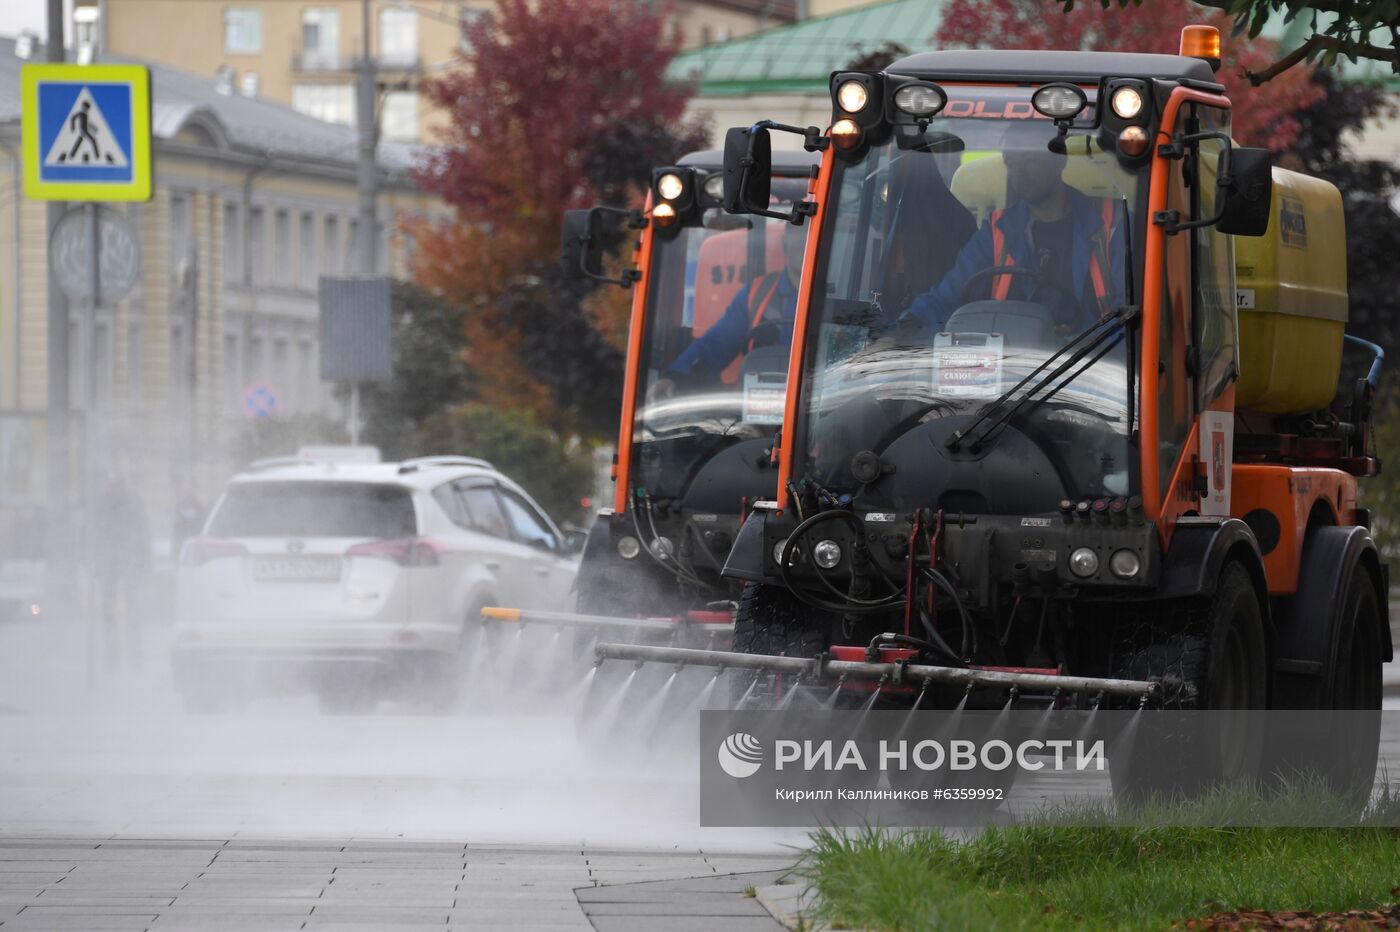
303	53
252	204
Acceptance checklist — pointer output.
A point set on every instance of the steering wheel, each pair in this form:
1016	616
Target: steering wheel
1041	279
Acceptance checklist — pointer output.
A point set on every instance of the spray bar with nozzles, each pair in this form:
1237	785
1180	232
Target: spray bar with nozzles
822	668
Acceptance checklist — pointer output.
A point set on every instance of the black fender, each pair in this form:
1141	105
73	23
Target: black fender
607	584
1199	550
749	555
1309	632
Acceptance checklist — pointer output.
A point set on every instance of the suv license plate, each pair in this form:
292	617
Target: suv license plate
296	568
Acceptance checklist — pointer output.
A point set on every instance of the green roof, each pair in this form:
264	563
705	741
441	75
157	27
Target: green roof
801	56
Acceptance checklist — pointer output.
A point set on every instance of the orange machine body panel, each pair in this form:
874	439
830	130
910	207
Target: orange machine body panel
1289	494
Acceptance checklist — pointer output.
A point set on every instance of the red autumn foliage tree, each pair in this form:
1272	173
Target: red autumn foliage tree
1263	116
558	105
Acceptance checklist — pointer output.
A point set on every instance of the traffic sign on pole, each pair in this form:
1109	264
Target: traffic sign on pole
86	132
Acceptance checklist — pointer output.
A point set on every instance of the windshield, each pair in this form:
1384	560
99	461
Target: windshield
314	509
721	302
956	261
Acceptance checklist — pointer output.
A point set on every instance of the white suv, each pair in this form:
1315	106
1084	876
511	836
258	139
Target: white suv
355	579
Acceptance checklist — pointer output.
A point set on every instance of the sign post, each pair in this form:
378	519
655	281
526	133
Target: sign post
85	136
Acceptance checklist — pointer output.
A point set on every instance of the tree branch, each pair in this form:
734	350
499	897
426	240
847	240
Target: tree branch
1314	42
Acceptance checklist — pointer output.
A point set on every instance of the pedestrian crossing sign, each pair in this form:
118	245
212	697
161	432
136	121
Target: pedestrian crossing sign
86	132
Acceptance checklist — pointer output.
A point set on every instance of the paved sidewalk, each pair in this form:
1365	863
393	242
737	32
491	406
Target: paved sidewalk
58	883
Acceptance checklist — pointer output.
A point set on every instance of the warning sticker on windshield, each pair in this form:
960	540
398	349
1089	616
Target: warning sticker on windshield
967	365
764	397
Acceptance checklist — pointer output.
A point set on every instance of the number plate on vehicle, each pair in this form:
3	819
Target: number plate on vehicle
296	568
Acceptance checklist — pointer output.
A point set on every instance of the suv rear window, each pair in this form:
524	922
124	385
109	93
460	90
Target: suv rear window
315	509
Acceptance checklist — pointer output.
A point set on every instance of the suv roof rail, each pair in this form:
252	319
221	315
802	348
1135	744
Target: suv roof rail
429	462
274	462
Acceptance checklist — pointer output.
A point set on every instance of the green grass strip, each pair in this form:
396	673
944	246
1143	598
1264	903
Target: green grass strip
1047	874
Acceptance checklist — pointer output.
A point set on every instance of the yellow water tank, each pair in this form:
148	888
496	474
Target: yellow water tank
1291	292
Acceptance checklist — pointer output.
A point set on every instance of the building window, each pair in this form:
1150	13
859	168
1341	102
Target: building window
233	252
280	374
467	17
134	370
282	247
320	38
179	371
334	103
86	34
399	117
309	376
306	252
242	30
233	388
398	38
257	245
352	251
253	366
181	229
330	247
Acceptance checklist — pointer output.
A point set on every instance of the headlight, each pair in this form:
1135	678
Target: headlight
663	547
1125	564
1083	562
852	96
663	214
920	100
1127	102
628	548
714	186
670	186
826	554
1059	101
845	134
778	553
1132	142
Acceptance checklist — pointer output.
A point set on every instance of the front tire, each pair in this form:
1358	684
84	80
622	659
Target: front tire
774	622
1213	659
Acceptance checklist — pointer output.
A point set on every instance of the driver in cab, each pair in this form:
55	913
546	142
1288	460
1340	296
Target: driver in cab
768	302
1052	245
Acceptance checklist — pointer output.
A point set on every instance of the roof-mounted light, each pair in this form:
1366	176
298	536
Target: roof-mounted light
663	214
670	186
1127	102
852	96
845	134
920	100
1059	102
714	186
1202	42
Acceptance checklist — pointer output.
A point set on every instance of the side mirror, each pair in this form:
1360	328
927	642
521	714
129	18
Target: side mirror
573	253
1246	196
574	540
591	234
748	169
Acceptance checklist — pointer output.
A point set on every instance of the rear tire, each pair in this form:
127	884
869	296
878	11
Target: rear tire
1342	751
1215	658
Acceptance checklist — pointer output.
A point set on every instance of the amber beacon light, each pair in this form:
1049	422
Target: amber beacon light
1202	42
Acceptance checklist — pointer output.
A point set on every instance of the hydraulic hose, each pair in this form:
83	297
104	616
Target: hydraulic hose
849	604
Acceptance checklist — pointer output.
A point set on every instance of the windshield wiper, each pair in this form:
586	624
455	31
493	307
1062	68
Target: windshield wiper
1079	347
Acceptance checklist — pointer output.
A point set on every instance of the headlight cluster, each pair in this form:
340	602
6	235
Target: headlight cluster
1084	562
673	193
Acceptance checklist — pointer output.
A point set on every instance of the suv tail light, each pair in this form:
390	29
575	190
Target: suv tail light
198	551
405	551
